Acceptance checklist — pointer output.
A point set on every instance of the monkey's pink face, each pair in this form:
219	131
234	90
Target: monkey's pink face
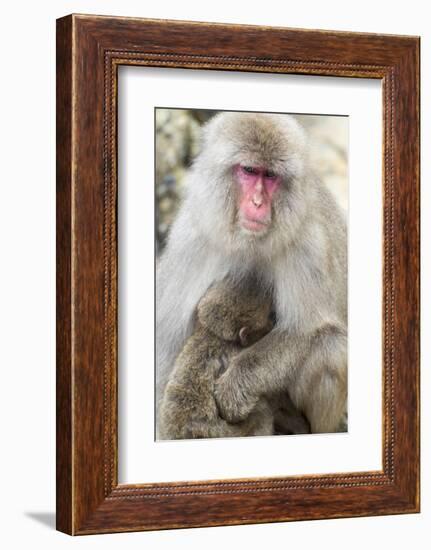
257	186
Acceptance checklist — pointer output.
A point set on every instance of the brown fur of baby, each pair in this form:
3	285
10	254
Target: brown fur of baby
228	320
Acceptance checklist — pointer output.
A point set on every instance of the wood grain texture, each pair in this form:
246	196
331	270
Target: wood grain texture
64	497
90	49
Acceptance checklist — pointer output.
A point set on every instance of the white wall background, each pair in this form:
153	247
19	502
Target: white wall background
27	289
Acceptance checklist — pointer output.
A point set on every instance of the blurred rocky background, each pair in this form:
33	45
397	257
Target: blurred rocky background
177	143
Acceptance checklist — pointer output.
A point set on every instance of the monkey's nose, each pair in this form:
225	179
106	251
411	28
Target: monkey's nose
257	200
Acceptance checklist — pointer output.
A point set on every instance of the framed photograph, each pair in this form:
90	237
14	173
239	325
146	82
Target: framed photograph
237	274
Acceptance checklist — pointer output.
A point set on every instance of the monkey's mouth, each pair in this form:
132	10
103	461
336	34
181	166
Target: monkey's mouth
253	225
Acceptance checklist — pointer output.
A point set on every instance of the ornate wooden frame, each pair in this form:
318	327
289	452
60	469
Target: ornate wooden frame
89	51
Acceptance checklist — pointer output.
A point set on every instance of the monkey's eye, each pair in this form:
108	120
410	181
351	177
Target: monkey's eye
270	174
249	169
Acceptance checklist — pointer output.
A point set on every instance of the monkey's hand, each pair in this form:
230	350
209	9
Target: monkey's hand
233	395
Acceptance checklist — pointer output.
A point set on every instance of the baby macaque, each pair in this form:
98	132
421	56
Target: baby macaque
228	320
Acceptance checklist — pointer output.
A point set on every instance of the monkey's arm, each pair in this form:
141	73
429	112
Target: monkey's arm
313	368
266	367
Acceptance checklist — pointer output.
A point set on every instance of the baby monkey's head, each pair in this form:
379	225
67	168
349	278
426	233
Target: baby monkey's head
235	314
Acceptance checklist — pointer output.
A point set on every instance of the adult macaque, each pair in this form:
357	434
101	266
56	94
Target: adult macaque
255	212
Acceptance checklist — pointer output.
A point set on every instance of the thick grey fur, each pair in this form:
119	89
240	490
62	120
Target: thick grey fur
301	261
